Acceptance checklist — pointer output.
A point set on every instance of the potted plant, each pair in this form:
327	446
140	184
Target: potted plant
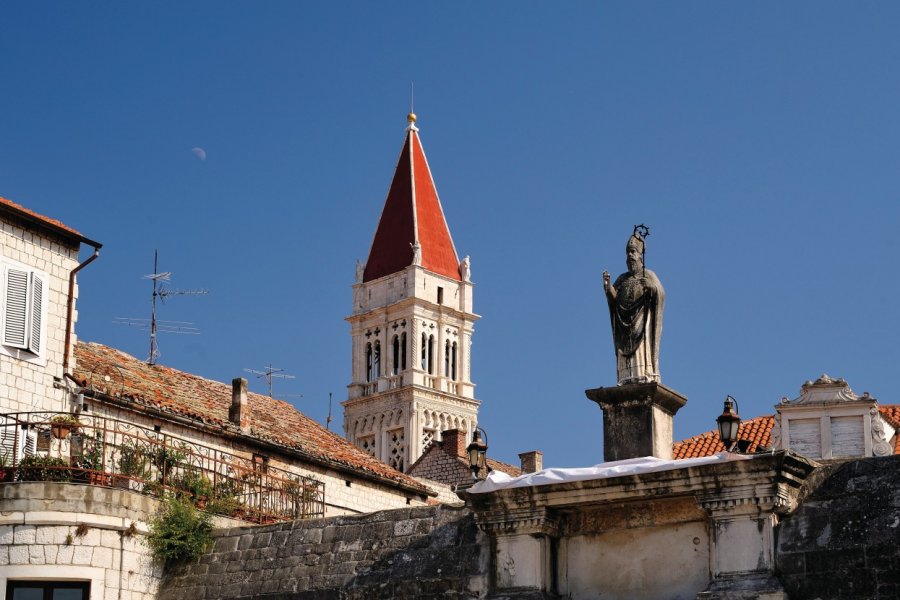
91	460
62	425
133	463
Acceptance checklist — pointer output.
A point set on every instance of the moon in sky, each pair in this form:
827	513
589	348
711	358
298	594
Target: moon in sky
199	152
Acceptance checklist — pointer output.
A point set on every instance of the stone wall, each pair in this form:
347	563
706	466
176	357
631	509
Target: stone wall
425	553
27	379
844	540
78	532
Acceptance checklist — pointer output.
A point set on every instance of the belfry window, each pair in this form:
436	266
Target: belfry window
453	362
403	351
424	351
395	355
447	359
376	360
368	362
431	355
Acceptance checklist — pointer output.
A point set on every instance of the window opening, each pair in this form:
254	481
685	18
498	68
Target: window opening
431	355
447	359
368	362
453	362
403	351
440	295
424	351
395	357
376	361
48	590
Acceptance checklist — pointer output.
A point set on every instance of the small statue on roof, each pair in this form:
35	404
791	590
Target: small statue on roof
465	269
417	253
636	301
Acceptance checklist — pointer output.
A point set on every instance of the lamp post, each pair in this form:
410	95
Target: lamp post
476	451
729	422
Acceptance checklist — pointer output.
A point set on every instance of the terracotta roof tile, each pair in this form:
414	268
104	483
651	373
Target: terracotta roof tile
176	392
496	465
412	211
58	226
758	430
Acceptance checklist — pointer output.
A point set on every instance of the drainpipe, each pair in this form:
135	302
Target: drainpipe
70	304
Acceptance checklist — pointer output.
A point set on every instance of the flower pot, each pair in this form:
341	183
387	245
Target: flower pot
60	431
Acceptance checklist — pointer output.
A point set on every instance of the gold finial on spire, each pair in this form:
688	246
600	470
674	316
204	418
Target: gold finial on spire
411	117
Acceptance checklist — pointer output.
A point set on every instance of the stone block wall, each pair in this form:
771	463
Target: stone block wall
28	381
81	533
844	540
425	553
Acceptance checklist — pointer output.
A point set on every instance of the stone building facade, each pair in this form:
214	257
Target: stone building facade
37	307
411	325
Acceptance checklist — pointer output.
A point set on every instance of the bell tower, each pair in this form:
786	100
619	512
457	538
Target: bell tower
411	325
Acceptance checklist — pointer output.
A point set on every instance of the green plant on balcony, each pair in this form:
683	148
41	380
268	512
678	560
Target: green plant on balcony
165	459
179	532
91	460
132	462
43	468
191	484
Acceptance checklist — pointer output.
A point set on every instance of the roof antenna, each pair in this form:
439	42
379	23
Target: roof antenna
269	373
328	420
162	292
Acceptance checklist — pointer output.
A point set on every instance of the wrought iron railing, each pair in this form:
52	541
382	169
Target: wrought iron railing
98	450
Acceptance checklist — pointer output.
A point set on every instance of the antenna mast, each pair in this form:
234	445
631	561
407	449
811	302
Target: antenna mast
162	292
269	373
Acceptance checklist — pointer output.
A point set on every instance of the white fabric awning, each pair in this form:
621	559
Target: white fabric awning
633	466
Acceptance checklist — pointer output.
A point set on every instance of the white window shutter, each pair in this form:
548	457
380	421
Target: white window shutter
806	438
15	332
37	297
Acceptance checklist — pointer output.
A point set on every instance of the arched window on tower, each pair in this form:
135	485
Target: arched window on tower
447	359
395	355
424	351
376	360
368	362
403	351
453	362
431	355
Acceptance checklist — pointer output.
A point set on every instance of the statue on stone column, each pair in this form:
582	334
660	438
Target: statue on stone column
636	302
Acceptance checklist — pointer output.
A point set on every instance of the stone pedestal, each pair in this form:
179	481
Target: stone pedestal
637	419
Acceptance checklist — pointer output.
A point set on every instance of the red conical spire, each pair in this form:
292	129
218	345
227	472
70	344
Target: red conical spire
412	214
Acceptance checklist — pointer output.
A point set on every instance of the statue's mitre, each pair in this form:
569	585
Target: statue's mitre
635	242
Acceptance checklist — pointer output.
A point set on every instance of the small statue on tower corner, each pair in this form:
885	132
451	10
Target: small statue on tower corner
636	301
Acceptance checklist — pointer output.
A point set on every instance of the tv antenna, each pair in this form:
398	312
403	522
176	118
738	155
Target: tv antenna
328	420
270	373
162	292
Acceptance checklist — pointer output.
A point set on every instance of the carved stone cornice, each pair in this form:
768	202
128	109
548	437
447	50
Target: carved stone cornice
533	521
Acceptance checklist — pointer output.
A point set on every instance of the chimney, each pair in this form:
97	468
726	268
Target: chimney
454	442
532	461
239	411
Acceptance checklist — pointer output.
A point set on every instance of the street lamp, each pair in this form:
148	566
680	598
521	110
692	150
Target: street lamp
476	451
729	422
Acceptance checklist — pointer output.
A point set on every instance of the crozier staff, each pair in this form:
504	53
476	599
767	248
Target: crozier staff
636	302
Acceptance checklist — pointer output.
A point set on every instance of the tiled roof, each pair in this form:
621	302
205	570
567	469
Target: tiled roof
758	431
57	226
412	211
183	394
496	465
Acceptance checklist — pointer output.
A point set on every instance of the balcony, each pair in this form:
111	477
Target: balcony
107	452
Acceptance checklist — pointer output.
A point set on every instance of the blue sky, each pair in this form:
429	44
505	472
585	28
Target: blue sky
758	140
